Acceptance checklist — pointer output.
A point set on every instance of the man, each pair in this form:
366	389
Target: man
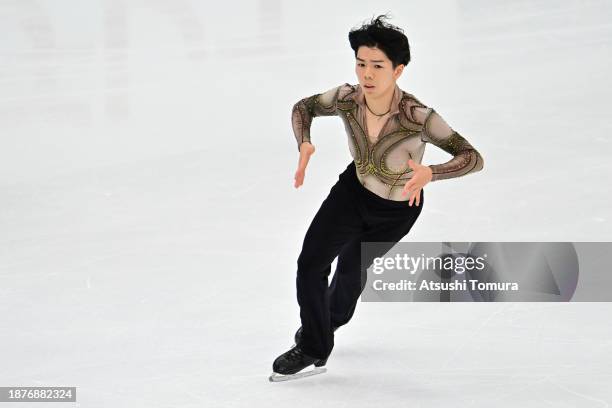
377	198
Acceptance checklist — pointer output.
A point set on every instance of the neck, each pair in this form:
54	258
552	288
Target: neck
381	103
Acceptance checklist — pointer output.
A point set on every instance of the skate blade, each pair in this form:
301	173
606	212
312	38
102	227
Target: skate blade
275	377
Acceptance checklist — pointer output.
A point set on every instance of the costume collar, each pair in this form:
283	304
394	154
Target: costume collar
397	96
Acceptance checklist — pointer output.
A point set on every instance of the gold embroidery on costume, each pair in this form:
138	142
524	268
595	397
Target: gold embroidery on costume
405	130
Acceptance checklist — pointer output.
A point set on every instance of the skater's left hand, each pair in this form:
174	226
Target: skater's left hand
421	176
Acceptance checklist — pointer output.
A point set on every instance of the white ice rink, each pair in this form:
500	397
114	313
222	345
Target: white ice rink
149	228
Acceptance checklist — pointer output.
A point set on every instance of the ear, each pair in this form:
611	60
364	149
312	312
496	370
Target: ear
398	71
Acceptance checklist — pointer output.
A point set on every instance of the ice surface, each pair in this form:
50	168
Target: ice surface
149	228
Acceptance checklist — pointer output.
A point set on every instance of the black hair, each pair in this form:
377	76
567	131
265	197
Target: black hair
384	36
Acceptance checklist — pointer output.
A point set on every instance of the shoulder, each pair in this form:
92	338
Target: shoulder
346	96
338	93
413	112
413	109
347	92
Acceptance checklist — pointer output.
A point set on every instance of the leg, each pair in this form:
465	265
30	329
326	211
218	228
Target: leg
350	276
337	222
343	289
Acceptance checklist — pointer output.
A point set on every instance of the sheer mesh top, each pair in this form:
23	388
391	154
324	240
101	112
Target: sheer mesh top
381	156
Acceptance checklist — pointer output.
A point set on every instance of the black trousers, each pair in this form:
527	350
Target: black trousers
349	215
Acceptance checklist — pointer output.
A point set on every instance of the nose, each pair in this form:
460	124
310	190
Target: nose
368	73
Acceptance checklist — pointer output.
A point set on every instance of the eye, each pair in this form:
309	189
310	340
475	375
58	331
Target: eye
360	64
378	66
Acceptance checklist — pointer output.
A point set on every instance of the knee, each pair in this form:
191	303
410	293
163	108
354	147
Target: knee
306	263
312	267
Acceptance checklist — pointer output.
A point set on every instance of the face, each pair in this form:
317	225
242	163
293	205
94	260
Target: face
375	71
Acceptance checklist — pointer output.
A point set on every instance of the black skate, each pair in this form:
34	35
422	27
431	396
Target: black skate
289	365
298	336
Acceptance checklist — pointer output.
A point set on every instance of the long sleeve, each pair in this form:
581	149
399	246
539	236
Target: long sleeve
323	104
466	158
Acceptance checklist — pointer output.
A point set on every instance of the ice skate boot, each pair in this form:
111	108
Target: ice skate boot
289	365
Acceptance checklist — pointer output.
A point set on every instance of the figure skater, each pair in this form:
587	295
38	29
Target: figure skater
377	198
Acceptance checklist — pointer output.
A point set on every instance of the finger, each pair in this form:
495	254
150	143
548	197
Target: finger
409	186
418	197
415	196
303	162
299	179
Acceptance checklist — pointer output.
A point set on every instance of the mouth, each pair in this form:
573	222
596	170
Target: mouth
368	86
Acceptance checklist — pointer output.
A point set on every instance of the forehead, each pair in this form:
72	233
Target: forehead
367	53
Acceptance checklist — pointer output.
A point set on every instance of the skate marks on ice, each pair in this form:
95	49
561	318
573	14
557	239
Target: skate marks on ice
275	377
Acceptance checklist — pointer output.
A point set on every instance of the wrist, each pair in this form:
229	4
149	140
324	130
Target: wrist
430	172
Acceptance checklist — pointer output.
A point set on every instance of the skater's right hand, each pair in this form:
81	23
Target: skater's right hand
306	150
